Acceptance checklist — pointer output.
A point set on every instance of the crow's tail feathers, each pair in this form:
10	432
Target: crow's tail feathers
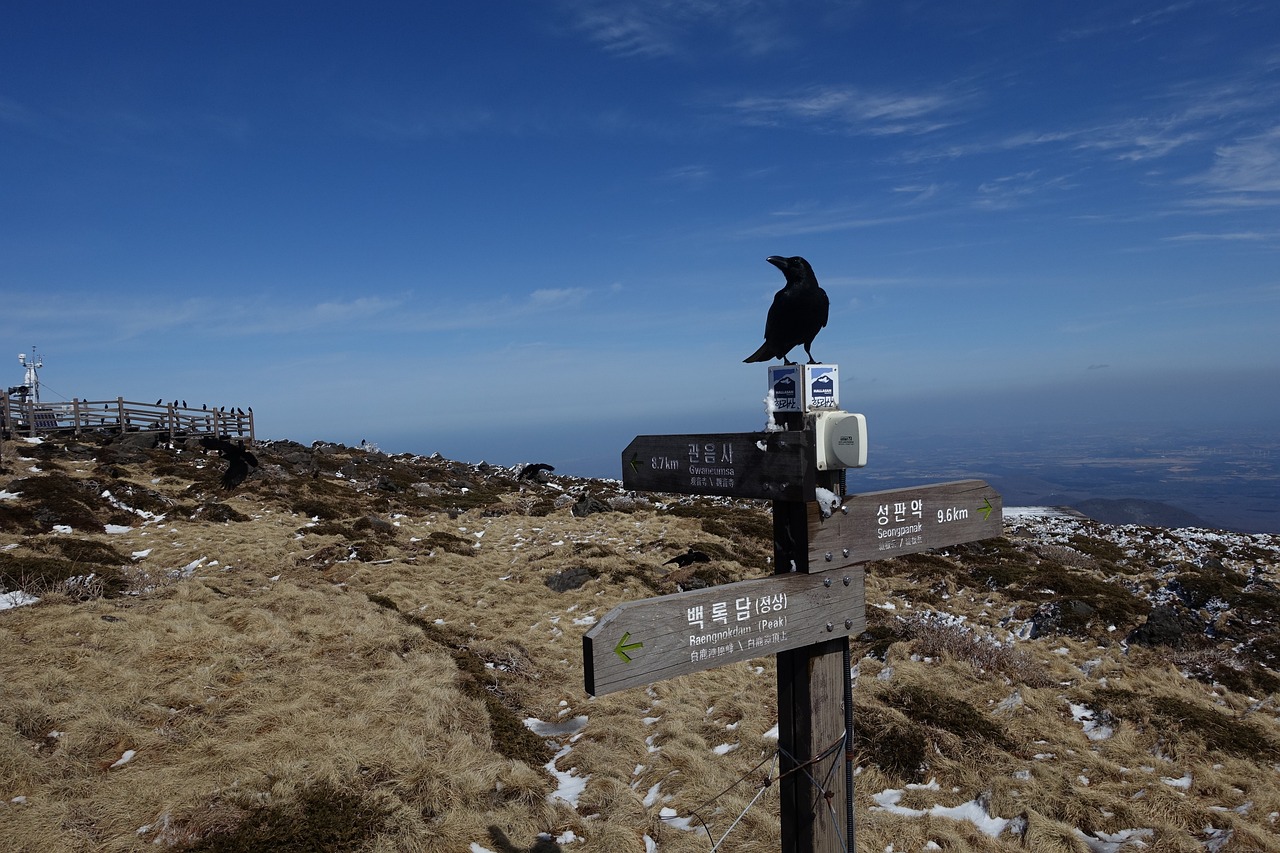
763	354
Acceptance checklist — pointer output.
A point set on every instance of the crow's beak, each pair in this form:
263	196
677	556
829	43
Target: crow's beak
778	261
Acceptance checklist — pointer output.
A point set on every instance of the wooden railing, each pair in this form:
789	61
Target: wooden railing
26	417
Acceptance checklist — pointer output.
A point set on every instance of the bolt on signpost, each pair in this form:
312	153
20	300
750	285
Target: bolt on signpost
807	610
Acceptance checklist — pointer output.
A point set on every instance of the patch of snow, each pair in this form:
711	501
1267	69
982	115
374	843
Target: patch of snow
569	785
124	759
827	501
672	818
724	748
1113	842
1093	729
61	528
1184	782
116	528
1010	703
8	496
563	728
189	569
17	598
973	812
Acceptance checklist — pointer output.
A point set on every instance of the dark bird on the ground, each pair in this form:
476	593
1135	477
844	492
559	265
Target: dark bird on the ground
238	456
534	471
798	312
688	558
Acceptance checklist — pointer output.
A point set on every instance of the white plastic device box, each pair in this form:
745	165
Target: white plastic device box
841	439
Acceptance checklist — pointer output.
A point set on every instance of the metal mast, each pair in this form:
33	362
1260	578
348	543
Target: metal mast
32	380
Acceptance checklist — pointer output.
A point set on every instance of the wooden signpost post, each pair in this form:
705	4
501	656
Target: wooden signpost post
804	613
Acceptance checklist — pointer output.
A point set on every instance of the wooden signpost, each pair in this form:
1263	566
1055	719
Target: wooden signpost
881	525
804	613
768	465
644	641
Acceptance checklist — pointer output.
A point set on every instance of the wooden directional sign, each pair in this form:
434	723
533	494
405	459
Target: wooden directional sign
880	525
644	641
771	465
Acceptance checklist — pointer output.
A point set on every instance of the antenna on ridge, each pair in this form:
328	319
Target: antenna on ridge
32	380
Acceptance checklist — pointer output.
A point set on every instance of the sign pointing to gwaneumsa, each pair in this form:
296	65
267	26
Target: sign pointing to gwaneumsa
770	465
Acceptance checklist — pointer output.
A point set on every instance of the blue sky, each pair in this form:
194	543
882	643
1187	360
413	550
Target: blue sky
531	230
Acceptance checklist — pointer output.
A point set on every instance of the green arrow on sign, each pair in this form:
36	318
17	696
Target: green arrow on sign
986	510
635	462
623	647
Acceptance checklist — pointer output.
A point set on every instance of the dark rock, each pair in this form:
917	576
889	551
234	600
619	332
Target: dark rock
143	440
587	505
376	525
568	579
1168	625
220	513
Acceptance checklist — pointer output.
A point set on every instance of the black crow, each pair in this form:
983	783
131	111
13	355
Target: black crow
239	459
798	312
534	471
688	558
159	401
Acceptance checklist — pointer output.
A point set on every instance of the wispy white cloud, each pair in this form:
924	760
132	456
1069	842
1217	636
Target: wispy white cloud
366	306
1138	140
791	224
1226	236
1110	18
1015	190
919	193
691	174
657	28
556	297
853	109
1249	165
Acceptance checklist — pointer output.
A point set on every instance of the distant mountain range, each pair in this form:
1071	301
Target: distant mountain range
1138	511
1229	480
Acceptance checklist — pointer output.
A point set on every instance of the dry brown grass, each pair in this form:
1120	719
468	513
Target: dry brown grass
361	684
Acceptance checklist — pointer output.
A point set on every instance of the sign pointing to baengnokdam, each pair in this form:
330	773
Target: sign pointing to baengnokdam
644	641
